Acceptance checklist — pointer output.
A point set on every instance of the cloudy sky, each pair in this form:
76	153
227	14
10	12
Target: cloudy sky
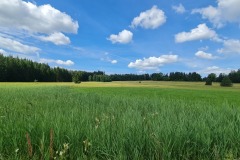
124	36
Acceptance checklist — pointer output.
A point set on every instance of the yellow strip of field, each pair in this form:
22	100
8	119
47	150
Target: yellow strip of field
150	84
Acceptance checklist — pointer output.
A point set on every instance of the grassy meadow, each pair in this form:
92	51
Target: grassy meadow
119	120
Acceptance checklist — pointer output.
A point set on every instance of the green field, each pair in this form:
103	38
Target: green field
119	120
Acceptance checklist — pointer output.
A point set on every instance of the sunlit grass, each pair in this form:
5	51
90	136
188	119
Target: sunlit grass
149	84
119	120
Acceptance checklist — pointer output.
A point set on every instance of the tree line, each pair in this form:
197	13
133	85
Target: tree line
234	76
23	70
173	76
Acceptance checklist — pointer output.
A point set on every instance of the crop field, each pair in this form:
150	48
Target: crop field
119	120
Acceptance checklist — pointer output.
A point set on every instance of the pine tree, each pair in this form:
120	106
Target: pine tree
3	70
226	82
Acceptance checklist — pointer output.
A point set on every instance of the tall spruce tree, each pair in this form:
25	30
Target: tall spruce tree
226	82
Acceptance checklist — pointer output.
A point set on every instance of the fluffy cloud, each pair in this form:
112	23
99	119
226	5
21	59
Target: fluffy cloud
18	16
108	59
114	61
16	46
226	11
199	33
59	62
152	63
56	38
231	46
150	19
204	55
37	19
215	69
123	37
179	9
3	52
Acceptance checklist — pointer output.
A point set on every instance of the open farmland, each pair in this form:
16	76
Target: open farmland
119	120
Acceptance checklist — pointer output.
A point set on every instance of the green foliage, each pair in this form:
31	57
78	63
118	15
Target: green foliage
135	123
76	76
208	81
62	75
157	76
3	71
129	77
220	77
105	78
23	70
77	82
212	77
100	78
90	78
235	76
180	76
226	82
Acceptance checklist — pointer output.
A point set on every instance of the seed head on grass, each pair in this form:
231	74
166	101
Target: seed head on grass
86	145
42	147
30	151
64	153
16	150
97	123
51	144
65	146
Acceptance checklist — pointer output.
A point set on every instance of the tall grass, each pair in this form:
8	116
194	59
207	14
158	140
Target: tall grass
105	123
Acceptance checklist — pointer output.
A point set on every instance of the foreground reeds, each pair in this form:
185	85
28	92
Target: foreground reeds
124	123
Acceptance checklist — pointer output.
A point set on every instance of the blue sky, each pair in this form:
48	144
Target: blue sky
123	36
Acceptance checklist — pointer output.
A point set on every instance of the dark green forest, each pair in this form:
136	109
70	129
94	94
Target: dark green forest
23	70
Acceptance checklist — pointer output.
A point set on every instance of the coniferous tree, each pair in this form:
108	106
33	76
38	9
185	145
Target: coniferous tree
226	82
3	71
23	70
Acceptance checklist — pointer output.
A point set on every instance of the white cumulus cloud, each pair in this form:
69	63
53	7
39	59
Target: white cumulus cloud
114	61
150	19
67	63
153	63
179	9
59	62
199	33
15	46
43	22
37	19
215	69
56	38
204	55
123	37
231	46
3	52
226	11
